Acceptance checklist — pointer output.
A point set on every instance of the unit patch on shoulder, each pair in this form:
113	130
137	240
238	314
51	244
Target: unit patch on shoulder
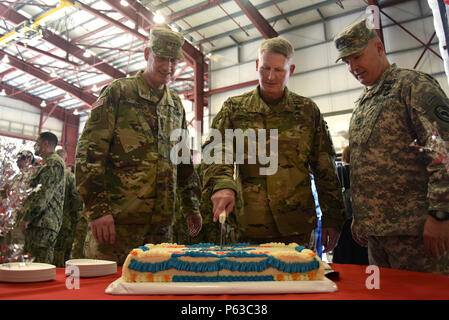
442	112
97	103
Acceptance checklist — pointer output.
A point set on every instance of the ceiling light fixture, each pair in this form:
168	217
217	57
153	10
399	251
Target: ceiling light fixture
87	54
3	92
5	59
76	112
43	104
158	18
124	3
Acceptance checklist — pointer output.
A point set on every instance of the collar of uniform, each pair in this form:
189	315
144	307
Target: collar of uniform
144	90
385	77
257	104
48	156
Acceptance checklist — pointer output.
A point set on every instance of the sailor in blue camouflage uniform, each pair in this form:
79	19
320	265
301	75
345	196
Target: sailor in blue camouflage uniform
124	171
43	208
400	195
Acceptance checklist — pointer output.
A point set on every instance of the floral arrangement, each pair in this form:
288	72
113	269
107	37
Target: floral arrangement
437	147
14	190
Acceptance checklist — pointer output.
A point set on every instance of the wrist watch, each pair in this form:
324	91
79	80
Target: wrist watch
439	215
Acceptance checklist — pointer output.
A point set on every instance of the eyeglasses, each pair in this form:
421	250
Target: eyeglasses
21	158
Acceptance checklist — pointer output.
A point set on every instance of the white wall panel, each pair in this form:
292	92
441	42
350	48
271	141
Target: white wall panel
18	117
224	58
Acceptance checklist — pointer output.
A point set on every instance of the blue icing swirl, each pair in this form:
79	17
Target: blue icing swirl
269	262
144	248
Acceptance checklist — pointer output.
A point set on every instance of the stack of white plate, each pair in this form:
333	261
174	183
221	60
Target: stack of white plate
27	272
90	267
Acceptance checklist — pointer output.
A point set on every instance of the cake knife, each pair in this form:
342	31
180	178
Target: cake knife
222	219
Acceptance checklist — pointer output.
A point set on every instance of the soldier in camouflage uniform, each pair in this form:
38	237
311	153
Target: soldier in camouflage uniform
27	165
73	205
123	168
400	196
42	209
277	207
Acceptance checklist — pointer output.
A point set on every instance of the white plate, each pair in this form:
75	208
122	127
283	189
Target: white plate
92	267
27	272
120	287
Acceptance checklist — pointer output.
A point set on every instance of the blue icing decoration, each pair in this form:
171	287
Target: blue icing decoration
221	264
300	248
144	248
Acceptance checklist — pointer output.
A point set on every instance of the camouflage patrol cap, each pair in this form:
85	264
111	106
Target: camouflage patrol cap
354	38
166	43
25	153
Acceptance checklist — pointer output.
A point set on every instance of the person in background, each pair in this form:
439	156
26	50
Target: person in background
348	251
124	170
43	208
400	195
73	205
277	206
27	165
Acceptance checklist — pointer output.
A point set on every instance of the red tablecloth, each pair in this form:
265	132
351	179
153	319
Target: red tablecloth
394	285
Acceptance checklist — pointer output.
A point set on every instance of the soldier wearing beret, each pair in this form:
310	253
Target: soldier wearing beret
123	167
42	209
400	196
276	206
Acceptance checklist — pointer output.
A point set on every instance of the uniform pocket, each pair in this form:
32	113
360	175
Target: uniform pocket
133	130
363	122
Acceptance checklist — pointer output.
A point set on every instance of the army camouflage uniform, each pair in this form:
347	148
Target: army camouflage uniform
20	181
43	209
393	184
79	238
73	205
123	166
278	207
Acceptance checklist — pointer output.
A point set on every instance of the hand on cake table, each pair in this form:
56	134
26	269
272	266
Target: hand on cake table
194	223
103	229
329	238
223	200
436	237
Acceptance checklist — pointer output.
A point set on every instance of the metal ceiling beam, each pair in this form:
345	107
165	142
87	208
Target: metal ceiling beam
17	18
257	19
288	14
110	21
136	10
58	113
48	54
44	76
392	3
233	15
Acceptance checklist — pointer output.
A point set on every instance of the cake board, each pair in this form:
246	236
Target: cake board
120	287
